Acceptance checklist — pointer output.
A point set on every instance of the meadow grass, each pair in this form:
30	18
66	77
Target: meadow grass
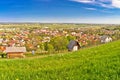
95	63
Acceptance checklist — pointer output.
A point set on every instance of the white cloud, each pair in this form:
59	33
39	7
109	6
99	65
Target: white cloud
105	5
105	0
116	3
84	1
102	3
93	9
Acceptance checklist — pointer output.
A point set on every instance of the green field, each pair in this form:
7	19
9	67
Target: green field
96	63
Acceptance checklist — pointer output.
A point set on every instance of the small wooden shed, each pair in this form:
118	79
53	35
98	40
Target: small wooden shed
15	52
73	45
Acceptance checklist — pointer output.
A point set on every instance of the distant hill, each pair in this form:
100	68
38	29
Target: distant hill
96	63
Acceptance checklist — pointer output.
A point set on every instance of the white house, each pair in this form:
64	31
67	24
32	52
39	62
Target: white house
105	39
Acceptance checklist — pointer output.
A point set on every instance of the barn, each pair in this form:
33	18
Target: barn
15	52
73	45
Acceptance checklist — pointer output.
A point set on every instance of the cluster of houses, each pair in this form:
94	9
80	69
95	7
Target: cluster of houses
74	45
13	42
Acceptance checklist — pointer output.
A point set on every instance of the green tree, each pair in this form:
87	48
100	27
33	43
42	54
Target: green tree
50	49
71	38
59	43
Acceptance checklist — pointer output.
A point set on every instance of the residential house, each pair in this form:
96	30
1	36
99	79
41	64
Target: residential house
105	39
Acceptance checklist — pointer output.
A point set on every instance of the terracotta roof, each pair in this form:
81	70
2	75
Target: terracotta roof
15	49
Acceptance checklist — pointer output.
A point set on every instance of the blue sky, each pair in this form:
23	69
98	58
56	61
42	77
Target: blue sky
59	11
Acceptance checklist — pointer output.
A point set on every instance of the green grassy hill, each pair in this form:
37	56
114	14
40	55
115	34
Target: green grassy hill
96	63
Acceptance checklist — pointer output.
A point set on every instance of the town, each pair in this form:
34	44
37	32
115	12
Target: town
44	39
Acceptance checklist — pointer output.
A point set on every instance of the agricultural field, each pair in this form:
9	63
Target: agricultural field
95	63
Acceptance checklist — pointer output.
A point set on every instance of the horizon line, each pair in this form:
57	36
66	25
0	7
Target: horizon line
28	22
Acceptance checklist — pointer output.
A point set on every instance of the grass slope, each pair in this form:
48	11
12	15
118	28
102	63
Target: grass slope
96	63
